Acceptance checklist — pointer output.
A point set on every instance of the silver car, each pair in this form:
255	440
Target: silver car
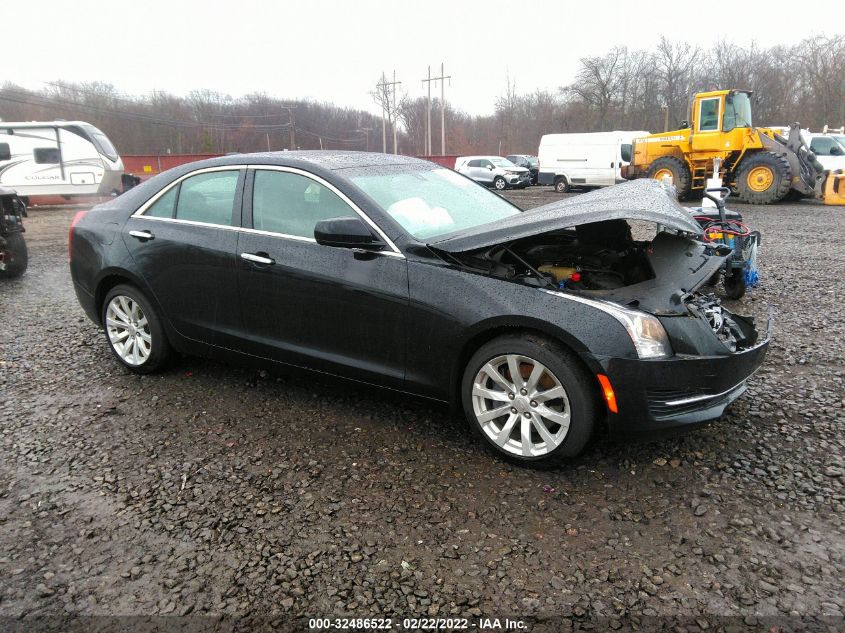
493	171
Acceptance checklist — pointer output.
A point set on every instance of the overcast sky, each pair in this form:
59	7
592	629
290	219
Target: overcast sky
335	51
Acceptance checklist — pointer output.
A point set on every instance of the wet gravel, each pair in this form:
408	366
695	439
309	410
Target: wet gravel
212	490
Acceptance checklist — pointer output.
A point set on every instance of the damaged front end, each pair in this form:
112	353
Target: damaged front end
693	355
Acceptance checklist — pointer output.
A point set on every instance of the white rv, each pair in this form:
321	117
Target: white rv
585	160
65	158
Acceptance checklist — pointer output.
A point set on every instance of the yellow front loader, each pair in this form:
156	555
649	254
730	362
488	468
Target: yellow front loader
759	164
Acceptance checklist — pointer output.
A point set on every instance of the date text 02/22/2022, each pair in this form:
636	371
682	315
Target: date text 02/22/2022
416	624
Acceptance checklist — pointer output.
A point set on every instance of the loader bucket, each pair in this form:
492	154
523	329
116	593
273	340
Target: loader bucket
834	188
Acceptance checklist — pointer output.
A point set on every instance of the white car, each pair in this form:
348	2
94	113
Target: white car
493	171
828	149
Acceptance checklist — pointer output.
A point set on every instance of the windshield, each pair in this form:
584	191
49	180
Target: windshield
532	160
430	203
737	111
502	162
840	138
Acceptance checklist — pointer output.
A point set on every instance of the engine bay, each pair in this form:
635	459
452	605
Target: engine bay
597	256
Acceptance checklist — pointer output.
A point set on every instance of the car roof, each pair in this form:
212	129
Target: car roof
319	162
326	159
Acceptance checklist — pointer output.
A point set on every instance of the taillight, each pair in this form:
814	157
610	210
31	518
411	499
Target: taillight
79	215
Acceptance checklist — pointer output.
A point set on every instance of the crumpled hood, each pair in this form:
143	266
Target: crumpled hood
643	199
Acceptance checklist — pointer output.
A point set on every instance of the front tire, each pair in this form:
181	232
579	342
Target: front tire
134	331
677	169
763	178
17	256
529	400
499	183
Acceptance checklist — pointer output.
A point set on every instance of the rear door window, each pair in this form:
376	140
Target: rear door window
291	204
208	198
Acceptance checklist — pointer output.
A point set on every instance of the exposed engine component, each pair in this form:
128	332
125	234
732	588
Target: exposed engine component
722	322
597	256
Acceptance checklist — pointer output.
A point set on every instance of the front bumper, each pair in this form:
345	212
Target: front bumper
518	180
661	395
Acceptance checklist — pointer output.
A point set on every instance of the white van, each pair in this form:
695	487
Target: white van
585	160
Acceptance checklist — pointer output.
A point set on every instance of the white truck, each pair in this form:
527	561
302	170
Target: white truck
65	158
593	159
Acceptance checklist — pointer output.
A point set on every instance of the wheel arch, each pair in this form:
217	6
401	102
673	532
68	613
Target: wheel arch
489	330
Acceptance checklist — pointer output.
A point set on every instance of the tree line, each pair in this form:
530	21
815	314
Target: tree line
626	89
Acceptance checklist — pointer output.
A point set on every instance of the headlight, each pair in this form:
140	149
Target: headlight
645	330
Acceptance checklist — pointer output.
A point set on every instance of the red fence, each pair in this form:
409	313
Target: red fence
445	161
146	165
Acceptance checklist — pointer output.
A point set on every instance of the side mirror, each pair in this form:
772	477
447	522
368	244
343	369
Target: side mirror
490	167
346	233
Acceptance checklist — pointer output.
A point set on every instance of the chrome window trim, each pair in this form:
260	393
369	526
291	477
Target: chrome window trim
141	212
226	227
144	207
294	170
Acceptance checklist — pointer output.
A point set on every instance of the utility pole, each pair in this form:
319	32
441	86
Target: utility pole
428	114
442	79
291	126
389	107
394	84
383	86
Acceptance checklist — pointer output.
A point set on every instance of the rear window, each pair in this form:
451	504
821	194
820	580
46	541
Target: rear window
5	151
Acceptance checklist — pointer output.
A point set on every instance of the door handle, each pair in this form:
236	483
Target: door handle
258	258
142	235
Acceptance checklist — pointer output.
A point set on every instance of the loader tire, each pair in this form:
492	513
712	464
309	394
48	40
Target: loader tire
679	171
763	178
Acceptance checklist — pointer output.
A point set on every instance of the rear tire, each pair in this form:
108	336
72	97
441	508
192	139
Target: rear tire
561	184
552	403
679	171
763	178
134	331
17	256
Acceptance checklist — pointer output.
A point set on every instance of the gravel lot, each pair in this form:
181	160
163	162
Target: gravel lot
213	490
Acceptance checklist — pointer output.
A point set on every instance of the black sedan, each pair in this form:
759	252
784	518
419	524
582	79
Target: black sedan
396	272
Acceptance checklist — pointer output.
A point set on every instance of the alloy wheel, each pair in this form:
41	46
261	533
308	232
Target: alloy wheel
128	330
521	405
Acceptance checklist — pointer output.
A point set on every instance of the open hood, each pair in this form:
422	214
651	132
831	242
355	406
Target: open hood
643	199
